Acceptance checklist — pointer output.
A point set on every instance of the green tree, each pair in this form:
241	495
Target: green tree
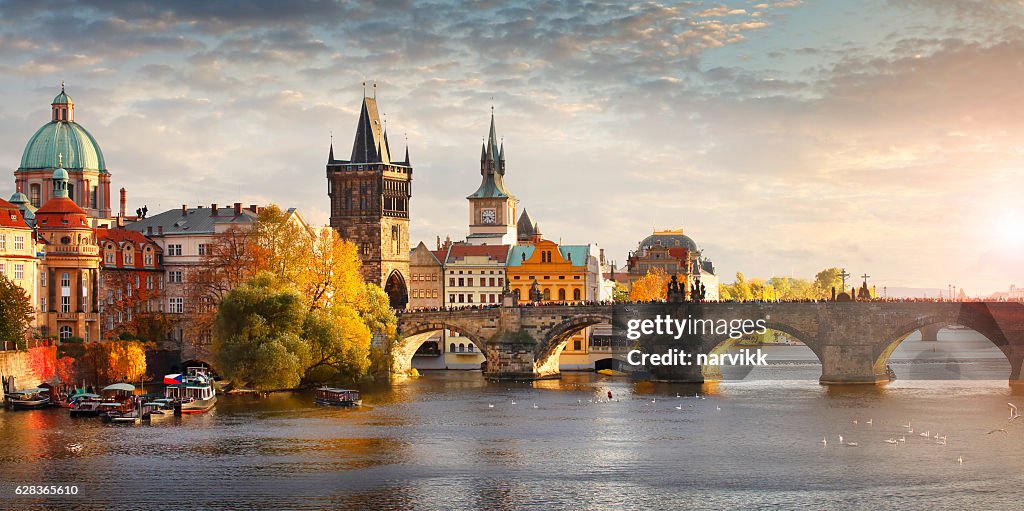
15	311
257	338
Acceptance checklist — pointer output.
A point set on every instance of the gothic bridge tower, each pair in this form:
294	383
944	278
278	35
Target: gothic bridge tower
369	195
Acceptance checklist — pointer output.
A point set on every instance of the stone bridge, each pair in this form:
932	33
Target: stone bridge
853	340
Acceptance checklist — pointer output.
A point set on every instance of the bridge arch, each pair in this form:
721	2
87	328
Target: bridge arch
557	336
414	334
722	343
987	329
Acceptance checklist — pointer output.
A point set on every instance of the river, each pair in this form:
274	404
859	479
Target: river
436	442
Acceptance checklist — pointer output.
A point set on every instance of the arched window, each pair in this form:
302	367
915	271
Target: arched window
65	333
576	294
451	349
547	294
462	347
561	295
469	347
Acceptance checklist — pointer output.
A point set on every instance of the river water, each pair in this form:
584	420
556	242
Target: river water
436	442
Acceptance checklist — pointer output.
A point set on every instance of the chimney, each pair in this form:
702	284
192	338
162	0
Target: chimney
214	208
184	209
253	208
124	201
238	208
160	230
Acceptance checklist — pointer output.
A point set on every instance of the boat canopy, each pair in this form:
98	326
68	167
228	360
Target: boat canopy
36	390
127	387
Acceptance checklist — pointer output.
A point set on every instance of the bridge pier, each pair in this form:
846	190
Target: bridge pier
930	333
1015	354
850	365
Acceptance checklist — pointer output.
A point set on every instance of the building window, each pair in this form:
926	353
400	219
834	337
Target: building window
19	243
65	280
148	258
33	194
65	304
451	298
3	242
129	256
174	250
42	304
547	294
176	305
576	294
149	282
19	272
174	277
469	282
65	333
576	346
42	279
109	257
202	249
561	295
451	282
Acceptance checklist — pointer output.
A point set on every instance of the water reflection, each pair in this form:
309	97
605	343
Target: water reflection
437	443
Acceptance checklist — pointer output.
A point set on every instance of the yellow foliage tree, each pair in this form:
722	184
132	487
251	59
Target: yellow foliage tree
651	287
126	360
332	272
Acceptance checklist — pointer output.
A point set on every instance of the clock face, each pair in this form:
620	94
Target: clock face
488	216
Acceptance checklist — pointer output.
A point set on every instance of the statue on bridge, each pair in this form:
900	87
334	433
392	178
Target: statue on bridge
676	291
535	294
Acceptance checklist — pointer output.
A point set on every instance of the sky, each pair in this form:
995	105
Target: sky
783	136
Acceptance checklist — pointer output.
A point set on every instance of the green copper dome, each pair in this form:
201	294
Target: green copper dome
67	138
62	98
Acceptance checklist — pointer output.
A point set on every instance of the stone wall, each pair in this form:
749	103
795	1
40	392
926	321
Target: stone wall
16	364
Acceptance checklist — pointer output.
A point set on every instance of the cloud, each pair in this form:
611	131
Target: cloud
868	141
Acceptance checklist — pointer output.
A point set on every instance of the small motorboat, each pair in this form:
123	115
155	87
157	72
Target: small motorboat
85	405
29	399
331	396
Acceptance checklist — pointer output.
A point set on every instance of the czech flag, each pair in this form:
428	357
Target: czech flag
172	379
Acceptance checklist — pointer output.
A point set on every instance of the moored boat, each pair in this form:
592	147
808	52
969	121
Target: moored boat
331	396
192	392
28	399
85	405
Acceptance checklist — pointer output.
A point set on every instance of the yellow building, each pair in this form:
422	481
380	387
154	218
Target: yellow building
561	276
18	261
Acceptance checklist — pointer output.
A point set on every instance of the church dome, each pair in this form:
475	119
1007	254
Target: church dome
669	239
62	139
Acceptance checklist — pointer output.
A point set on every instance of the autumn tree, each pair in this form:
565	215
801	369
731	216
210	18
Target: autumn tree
827	279
15	311
126	360
133	299
651	287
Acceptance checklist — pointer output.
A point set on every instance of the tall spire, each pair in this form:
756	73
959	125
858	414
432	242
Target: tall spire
330	155
491	167
370	146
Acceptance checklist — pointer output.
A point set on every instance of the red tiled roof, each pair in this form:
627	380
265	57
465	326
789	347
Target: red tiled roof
678	253
461	251
440	254
10	215
58	209
120	236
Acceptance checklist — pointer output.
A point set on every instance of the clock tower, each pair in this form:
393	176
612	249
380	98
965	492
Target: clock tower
492	208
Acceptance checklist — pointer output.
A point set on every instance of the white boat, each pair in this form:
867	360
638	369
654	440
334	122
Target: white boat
192	392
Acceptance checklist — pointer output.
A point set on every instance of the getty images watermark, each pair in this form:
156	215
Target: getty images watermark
665	326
